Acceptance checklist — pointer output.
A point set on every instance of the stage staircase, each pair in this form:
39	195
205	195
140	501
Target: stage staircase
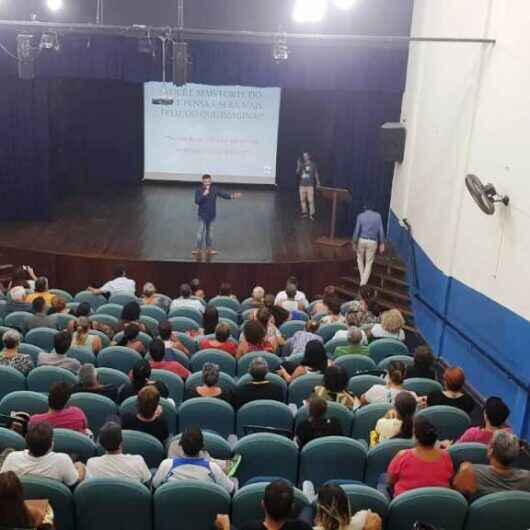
389	278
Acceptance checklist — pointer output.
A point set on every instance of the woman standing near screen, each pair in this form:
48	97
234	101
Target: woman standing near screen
308	178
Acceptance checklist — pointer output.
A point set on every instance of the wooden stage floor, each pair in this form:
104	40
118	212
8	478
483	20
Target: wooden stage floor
155	225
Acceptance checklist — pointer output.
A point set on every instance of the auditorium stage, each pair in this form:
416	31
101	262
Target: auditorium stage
151	228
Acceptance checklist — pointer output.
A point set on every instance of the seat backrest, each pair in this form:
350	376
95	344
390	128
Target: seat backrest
114	499
41	337
264	413
365	419
153	311
11	439
62	320
235	332
327	331
11	380
332	458
506	509
31	350
265	454
144	338
450	422
468	452
185	505
24	400
333	344
111	376
119	358
141	443
64	295
439	507
151	324
215	445
275	379
95	300
174	384
380	456
169	412
335	410
407	360
363	497
207	413
422	386
18	320
359	384
225	361
243	364
183	324
226	382
355	363
189	343
226	301
106	319
60	497
105	340
96	408
302	387
122	299
186	312
246	503
288	329
382	348
228	313
42	378
82	355
72	442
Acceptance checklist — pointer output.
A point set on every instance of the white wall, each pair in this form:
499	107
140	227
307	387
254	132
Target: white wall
467	110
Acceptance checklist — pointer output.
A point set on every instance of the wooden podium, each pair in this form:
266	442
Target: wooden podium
335	195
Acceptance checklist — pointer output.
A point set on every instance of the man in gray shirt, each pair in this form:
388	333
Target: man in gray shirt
368	237
308	177
40	319
476	480
57	357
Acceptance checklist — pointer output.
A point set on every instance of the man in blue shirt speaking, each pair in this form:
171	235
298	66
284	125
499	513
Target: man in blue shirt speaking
206	200
368	236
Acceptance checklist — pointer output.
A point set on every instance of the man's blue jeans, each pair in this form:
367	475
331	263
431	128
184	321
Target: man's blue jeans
204	234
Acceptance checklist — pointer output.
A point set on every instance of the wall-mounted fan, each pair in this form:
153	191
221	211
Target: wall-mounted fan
485	195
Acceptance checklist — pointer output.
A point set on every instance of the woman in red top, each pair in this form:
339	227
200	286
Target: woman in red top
421	467
254	339
222	340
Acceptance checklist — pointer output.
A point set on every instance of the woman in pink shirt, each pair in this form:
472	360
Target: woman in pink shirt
496	413
421	467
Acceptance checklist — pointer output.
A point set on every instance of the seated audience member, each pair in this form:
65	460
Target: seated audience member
114	464
299	296
290	304
41	291
257	297
317	425
14	512
130	339
253	339
278	504
119	285
61	342
221	341
40	460
23	276
423	364
82	310
423	466
140	377
352	321
477	480
148	417
130	315
196	289
40	318
225	289
453	395
335	387
58	307
297	343
366	307
185	300
89	382
320	307
16	301
496	413
150	296
334	316
386	393
211	388
258	387
272	333
10	356
210	319
355	344
333	512
171	340
82	339
157	352
391	326
398	422
60	415
279	314
193	465
315	361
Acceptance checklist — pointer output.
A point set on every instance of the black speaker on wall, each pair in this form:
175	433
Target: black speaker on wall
392	142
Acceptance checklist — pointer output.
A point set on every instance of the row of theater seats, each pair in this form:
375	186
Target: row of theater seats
194	505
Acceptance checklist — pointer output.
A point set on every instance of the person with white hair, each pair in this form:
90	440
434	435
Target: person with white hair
10	356
477	480
257	296
89	382
17	301
355	344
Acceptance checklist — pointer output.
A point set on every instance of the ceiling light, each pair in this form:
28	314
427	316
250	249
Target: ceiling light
309	10
54	5
344	4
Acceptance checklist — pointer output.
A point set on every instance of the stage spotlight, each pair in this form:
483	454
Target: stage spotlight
344	4
309	10
54	5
